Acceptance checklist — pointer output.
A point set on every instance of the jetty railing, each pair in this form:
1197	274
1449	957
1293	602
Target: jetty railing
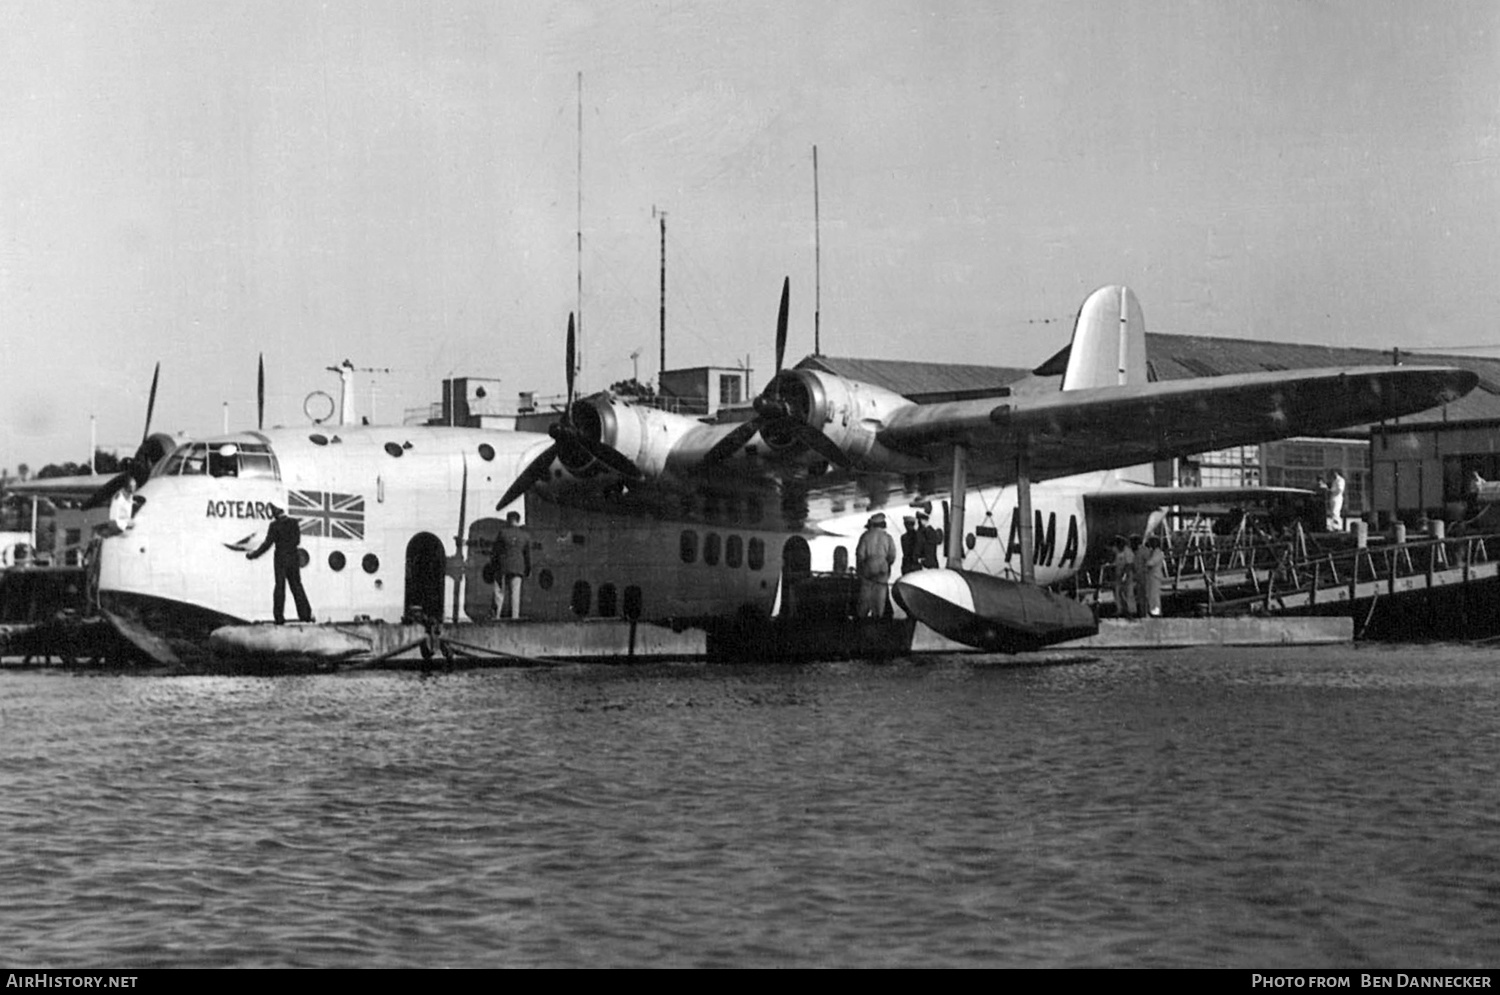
1243	574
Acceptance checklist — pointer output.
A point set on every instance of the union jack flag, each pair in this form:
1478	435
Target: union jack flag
327	515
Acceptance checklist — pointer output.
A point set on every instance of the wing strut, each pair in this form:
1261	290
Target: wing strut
960	490
1023	509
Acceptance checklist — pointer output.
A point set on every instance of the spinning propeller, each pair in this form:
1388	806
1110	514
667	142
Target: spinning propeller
570	443
137	467
779	413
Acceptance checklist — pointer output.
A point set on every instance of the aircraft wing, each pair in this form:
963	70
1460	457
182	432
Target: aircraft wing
80	487
1076	431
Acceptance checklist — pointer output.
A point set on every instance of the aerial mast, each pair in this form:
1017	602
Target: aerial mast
817	265
663	216
578	358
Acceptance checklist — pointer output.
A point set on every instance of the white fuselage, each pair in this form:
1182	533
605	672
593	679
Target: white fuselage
992	539
401	517
398	521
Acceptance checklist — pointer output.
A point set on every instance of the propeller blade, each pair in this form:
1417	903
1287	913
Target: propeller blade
786	290
151	404
610	457
101	497
260	394
731	443
463	503
456	564
821	444
535	471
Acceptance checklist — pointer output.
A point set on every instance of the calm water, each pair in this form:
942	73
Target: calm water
1297	807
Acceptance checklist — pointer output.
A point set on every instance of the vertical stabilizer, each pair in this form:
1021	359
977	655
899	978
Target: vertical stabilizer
1109	341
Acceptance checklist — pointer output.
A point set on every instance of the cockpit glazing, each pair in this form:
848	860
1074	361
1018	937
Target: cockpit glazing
226	459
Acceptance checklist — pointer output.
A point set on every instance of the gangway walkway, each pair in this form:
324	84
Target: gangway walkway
1255	574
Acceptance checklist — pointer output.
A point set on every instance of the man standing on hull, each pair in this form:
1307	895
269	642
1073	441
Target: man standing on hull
510	563
874	555
286	535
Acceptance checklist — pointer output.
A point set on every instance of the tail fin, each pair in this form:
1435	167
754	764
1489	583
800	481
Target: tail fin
1109	341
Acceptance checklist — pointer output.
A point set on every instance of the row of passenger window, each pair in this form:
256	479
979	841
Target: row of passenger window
370	563
609	604
731	550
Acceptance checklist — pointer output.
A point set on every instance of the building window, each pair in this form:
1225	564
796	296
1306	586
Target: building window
607	601
734	549
688	546
755	556
711	549
729	388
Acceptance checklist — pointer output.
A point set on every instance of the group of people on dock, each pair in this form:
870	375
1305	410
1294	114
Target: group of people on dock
1138	568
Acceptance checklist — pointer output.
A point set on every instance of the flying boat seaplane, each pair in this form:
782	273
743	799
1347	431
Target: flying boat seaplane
636	513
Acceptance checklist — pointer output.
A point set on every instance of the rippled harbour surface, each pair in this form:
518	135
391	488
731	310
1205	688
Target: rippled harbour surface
1253	808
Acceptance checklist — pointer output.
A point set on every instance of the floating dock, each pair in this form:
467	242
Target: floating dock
525	643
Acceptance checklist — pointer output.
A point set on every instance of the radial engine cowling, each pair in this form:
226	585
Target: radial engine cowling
850	414
643	435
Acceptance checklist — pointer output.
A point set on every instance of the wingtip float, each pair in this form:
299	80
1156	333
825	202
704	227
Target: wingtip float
992	613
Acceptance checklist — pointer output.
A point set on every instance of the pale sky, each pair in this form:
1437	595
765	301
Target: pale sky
396	183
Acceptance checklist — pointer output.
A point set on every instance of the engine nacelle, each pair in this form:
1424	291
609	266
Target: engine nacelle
642	434
849	413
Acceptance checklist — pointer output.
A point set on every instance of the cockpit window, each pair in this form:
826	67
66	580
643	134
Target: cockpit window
258	461
224	459
191	458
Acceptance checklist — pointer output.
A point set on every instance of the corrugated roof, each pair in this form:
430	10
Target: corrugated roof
919	381
1172	357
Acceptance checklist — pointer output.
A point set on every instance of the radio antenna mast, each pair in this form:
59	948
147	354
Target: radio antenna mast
663	216
578	358
817	265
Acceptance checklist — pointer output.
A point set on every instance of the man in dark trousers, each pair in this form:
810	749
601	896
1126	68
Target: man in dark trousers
510	563
911	545
286	535
930	546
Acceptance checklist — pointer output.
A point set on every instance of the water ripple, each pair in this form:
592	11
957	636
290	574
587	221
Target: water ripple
1276	807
